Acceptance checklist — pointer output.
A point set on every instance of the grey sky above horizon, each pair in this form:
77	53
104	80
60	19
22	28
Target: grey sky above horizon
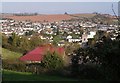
59	7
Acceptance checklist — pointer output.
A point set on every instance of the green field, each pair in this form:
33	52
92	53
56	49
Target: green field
23	76
13	76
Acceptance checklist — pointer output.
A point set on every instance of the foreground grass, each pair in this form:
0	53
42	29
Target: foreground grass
23	76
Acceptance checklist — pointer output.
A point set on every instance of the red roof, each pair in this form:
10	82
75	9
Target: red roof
38	53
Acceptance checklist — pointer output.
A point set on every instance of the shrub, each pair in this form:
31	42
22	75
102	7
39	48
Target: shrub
90	72
52	61
14	65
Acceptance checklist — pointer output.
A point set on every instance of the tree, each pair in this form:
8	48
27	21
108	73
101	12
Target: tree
104	54
58	32
65	13
13	39
35	41
5	39
75	61
52	61
24	44
56	39
31	32
107	53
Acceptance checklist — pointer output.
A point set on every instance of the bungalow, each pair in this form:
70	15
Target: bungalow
36	55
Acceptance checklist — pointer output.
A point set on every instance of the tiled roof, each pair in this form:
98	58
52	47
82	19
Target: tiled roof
38	53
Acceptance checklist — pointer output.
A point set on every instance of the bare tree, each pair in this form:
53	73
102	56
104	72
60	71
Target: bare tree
115	13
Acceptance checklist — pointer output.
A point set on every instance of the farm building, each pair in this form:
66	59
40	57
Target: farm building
34	57
37	54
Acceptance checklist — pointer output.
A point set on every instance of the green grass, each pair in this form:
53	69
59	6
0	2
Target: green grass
6	54
23	76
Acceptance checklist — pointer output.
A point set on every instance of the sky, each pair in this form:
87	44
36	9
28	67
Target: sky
59	7
60	0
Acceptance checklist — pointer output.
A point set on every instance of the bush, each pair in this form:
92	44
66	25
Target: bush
14	65
52	61
87	71
90	72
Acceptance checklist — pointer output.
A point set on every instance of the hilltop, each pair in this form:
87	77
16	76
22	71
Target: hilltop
46	17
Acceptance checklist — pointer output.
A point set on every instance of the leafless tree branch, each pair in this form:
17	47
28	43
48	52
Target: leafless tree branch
115	13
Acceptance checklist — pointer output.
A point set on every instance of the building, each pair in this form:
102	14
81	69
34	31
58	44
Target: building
37	54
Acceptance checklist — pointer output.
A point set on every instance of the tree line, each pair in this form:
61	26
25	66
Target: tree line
20	44
99	61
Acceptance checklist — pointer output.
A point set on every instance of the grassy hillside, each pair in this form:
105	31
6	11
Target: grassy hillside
6	54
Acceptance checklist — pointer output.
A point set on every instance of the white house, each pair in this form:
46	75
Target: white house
84	38
74	40
69	37
91	35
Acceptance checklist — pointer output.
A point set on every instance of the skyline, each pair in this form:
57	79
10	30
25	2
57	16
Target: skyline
59	7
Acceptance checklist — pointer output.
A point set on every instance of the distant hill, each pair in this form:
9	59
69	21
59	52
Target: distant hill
47	17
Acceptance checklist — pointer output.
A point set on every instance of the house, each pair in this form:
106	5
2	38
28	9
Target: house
69	37
37	54
74	40
91	34
84	38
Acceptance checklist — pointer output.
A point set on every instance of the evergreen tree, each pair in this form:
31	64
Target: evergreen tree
52	61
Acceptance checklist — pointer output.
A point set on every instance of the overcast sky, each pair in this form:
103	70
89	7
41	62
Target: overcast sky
58	7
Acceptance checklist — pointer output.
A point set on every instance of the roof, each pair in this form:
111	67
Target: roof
38	53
